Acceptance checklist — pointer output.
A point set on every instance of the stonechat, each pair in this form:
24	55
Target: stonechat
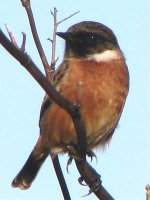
94	74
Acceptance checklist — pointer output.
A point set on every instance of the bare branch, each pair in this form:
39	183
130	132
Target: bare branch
60	177
50	40
148	192
23	42
11	36
27	5
67	18
53	61
54	12
53	41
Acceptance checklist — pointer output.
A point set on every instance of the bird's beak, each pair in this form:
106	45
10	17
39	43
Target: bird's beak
62	35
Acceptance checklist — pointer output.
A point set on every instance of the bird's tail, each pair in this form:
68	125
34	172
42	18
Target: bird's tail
27	174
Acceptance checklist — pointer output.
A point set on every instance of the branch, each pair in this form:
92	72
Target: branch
67	18
88	174
60	177
27	5
12	38
148	192
53	41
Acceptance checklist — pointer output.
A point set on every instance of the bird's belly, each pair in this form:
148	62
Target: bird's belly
99	116
100	123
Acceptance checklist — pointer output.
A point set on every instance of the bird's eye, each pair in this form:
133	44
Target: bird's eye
92	38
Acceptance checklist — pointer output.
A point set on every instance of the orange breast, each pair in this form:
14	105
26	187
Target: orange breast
101	90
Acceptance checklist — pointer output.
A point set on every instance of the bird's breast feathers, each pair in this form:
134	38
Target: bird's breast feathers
100	86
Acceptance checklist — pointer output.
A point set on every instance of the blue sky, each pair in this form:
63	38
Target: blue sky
124	166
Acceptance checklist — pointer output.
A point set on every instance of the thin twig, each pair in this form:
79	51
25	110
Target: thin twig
53	41
67	17
147	192
50	40
60	177
27	5
22	48
11	36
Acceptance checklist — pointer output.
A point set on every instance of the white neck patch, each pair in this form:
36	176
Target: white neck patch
105	56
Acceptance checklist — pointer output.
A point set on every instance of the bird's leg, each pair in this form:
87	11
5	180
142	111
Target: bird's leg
72	151
89	175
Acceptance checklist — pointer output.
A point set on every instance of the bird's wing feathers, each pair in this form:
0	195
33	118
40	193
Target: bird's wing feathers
59	73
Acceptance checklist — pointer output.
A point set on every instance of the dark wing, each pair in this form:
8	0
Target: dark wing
59	73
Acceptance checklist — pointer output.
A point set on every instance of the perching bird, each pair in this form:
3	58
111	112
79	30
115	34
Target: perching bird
94	74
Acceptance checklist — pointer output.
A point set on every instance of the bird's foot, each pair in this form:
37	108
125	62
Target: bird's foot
94	184
73	153
90	177
81	180
91	154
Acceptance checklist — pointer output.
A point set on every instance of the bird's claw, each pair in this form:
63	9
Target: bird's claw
94	186
72	153
80	180
72	150
69	163
92	155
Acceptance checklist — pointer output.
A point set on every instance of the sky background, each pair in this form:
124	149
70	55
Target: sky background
125	165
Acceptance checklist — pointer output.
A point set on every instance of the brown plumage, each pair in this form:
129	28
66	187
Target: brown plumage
95	75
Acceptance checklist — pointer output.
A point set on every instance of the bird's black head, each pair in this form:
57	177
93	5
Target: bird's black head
88	38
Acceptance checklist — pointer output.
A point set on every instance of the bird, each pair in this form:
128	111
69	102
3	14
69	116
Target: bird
94	74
